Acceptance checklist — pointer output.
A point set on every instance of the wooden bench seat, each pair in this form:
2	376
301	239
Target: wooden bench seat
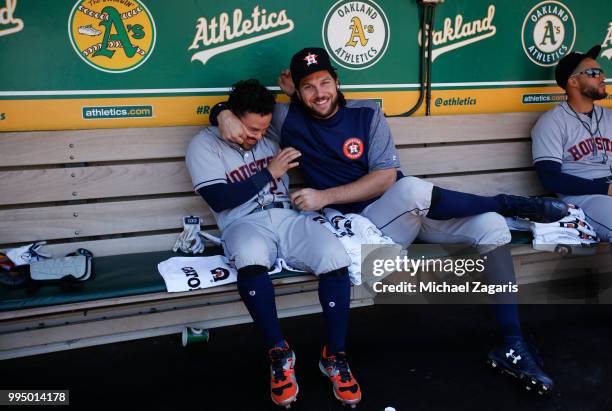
122	192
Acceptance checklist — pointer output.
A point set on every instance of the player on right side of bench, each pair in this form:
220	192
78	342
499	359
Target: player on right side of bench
572	143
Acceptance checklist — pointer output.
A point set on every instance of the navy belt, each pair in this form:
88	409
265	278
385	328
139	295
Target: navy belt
278	204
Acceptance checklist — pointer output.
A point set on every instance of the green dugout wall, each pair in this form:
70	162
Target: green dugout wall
125	63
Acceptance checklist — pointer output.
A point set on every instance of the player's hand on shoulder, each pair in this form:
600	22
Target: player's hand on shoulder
285	82
283	161
309	199
231	128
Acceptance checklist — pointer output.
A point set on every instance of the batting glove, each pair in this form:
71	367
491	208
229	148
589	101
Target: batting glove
26	254
189	241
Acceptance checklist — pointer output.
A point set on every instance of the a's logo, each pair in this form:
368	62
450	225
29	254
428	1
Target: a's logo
457	33
112	36
311	59
8	23
219	274
607	43
353	148
218	31
548	33
356	33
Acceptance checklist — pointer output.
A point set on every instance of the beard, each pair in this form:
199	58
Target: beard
332	108
593	92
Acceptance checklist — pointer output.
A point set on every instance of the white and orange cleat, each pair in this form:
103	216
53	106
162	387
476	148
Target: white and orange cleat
336	368
283	385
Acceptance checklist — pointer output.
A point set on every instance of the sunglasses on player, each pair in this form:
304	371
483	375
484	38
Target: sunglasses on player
591	72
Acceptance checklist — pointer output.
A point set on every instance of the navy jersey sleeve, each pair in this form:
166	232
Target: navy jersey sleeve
223	196
554	180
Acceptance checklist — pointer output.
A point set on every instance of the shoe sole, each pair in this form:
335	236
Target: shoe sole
352	403
530	383
287	403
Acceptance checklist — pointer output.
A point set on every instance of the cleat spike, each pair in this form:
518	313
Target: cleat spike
515	358
283	385
336	368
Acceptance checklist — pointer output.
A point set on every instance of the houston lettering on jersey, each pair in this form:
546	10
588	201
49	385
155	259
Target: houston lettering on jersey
585	147
247	170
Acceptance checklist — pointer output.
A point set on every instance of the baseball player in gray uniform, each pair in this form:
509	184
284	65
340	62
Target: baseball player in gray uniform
572	143
247	188
350	163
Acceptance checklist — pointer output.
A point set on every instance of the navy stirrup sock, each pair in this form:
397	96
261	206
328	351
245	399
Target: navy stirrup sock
446	204
335	298
507	318
257	293
500	270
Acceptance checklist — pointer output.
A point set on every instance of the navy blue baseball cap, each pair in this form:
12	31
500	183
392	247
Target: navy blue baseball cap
567	65
308	61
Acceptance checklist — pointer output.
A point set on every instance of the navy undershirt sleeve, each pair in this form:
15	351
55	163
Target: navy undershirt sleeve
225	196
554	180
214	112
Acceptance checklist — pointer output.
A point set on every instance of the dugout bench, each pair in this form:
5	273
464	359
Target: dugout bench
121	193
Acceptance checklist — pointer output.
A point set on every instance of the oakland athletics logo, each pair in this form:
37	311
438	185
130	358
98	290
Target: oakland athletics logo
114	36
549	31
353	148
356	33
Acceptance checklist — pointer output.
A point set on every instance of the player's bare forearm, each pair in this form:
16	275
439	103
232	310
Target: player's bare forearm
367	187
231	127
610	190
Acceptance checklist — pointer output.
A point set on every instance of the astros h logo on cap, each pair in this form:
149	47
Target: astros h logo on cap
308	61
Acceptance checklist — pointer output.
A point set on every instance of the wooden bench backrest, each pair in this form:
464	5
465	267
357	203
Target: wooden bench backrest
118	191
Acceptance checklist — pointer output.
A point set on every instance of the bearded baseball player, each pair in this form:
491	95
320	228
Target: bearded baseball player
247	188
350	163
572	143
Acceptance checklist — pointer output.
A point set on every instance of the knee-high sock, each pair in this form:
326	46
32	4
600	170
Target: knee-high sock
500	270
257	293
335	298
447	204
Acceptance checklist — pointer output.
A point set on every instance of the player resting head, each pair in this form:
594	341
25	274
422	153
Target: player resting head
581	76
253	104
316	83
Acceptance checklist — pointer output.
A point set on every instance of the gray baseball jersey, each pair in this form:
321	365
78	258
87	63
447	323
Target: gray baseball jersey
211	160
582	144
250	235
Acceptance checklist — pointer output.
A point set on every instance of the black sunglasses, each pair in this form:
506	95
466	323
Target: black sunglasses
591	72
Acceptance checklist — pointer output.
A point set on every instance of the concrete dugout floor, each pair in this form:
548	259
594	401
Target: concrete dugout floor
411	357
